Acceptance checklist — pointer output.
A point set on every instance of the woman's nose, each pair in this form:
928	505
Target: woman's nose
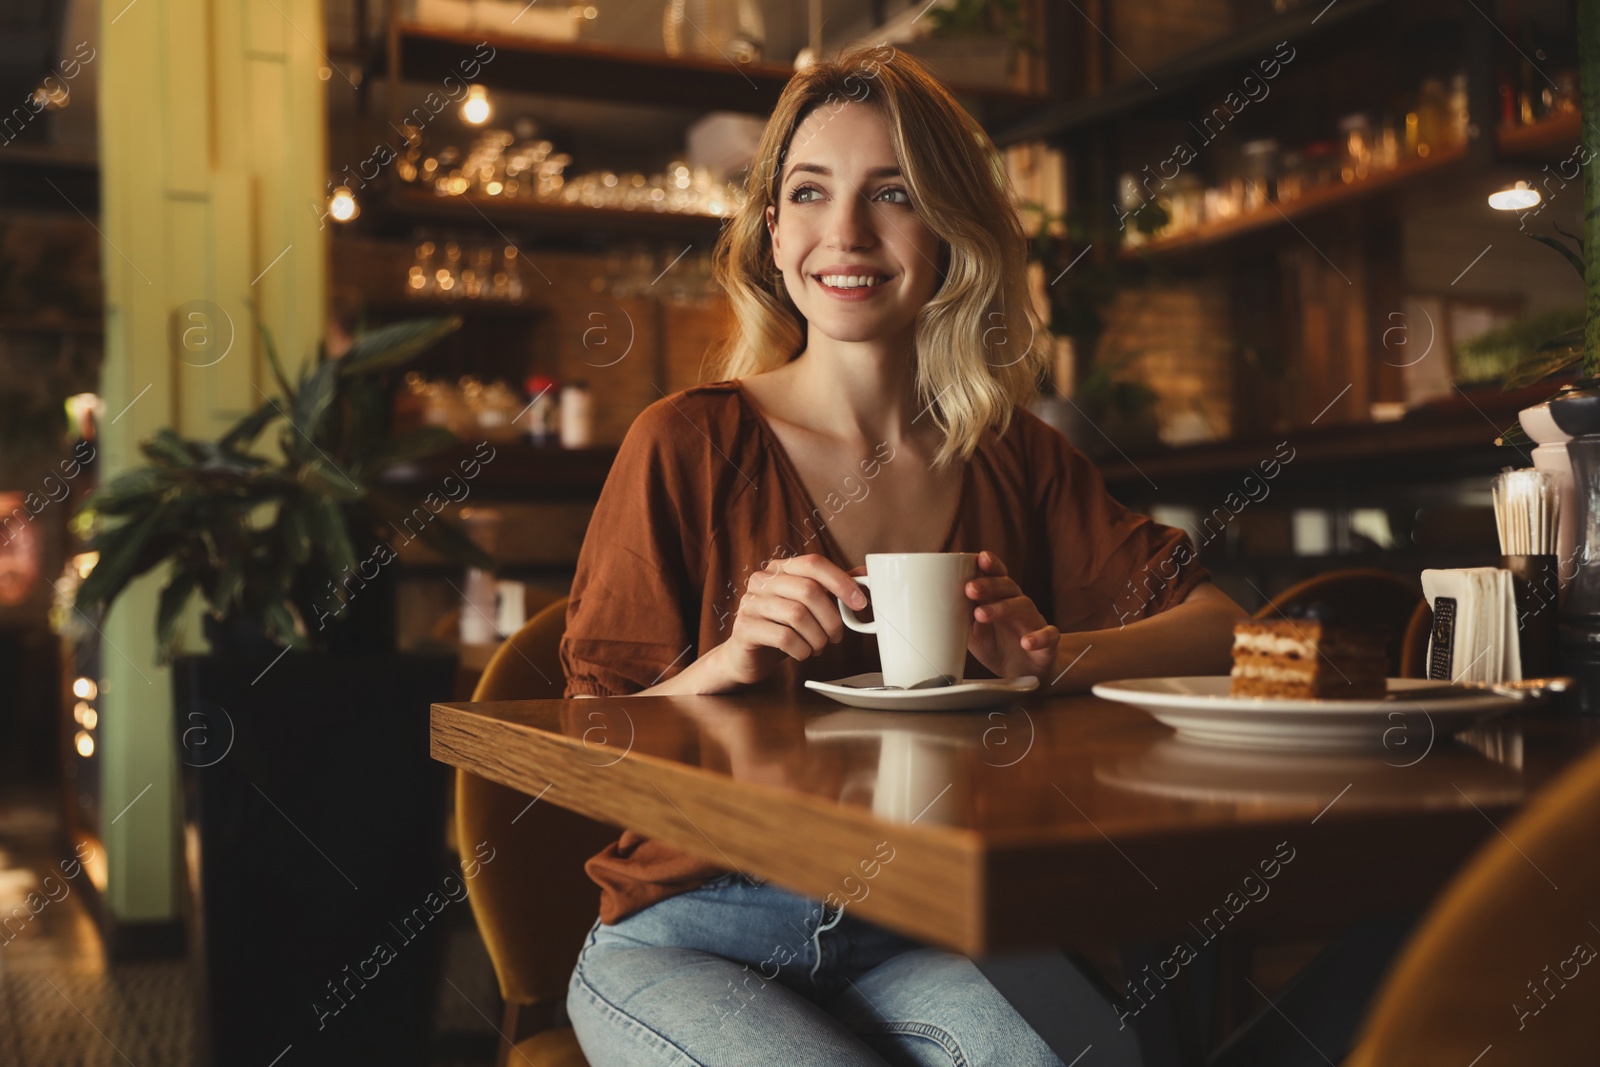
851	223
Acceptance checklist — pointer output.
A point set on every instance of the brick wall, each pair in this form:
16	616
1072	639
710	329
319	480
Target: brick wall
1177	340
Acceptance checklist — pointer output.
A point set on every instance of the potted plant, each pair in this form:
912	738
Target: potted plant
975	42
1104	405
314	814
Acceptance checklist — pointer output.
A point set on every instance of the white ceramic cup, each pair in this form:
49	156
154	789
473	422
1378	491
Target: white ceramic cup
920	613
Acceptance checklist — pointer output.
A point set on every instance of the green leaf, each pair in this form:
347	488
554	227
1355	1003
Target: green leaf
1571	256
1574	238
120	563
168	448
394	345
270	348
246	430
293	533
226	595
326	525
313	402
170	608
133	491
1539	365
1559	352
280	623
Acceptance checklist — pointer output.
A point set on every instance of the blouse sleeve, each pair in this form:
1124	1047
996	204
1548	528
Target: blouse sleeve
633	607
1110	565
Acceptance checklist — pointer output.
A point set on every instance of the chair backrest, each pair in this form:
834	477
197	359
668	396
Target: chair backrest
532	901
1507	954
1375	601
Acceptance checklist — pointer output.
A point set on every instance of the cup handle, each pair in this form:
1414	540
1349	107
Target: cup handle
850	618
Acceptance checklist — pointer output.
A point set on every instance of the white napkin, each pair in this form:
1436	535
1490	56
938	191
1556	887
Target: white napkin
1475	610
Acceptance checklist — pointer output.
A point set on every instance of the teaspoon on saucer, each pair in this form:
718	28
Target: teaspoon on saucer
935	682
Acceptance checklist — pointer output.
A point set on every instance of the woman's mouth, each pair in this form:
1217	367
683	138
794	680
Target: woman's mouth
852	286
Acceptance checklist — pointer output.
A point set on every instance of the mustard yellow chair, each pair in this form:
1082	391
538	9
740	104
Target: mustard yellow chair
1503	968
532	902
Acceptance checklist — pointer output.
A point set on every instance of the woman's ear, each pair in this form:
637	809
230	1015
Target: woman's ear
772	225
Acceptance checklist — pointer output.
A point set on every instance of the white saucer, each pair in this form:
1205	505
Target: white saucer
973	693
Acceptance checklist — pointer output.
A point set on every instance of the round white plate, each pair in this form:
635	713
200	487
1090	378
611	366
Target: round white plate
1201	709
973	693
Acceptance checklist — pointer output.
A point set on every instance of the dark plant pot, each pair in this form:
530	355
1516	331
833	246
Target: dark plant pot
1577	411
314	822
357	622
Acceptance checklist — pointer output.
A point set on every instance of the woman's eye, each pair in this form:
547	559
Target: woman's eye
795	194
905	197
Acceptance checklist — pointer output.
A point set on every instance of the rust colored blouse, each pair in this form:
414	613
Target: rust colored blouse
702	495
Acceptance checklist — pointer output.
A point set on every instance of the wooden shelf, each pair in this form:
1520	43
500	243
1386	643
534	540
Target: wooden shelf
632	75
1174	79
1556	137
50	324
419	204
466	308
1450	438
519	471
1271	215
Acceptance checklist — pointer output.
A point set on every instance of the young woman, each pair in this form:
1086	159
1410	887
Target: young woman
872	401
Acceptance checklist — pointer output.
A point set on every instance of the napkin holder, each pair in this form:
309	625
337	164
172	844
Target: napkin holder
1475	636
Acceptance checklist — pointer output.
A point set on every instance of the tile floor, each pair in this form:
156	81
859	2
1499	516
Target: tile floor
62	1005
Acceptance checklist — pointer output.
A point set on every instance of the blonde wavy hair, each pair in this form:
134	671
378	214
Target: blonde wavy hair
980	344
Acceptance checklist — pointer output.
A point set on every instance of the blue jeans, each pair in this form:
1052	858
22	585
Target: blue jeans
740	972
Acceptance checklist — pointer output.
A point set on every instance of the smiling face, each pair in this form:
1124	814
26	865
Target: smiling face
846	219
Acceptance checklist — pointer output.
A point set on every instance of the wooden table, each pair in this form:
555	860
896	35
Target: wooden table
1052	821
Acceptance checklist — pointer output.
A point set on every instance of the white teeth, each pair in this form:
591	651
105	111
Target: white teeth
852	281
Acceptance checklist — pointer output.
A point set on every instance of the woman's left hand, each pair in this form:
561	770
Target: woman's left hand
1009	636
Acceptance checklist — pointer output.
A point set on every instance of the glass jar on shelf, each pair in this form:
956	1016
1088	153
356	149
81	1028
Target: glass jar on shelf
1258	161
1321	165
443	405
1458	116
1185	204
1355	132
1433	117
496	411
1291	177
1386	147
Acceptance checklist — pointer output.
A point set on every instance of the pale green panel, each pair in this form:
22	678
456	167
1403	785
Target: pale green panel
237	373
135	746
138	766
233	146
185	95
191	313
278	255
267	28
305	178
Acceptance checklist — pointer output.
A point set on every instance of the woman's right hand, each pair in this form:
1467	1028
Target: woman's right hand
787	611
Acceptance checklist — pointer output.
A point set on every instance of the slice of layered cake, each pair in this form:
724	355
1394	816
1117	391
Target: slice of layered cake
1306	658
